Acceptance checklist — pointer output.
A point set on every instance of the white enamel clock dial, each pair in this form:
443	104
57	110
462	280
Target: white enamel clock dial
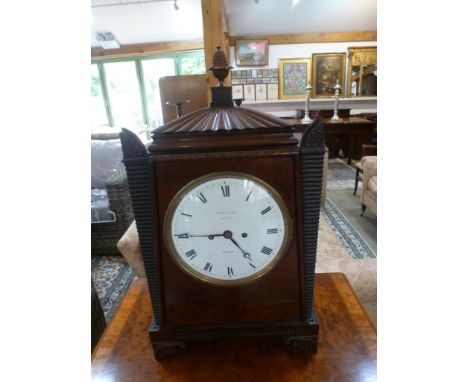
227	228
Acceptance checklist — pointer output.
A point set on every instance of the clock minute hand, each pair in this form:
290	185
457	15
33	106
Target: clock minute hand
246	254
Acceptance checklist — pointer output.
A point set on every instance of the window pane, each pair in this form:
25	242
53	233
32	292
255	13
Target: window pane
98	111
153	70
124	94
192	65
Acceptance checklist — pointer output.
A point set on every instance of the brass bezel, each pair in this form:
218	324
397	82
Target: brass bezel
168	240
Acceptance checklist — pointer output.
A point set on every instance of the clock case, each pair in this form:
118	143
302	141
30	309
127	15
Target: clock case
224	137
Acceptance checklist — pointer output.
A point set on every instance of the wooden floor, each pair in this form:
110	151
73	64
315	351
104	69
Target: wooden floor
347	346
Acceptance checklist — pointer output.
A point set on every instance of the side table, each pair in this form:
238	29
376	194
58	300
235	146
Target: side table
347	346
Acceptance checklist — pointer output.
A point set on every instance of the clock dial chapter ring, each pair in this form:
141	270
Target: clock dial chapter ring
252	217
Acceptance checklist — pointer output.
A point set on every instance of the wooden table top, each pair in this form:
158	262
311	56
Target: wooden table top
347	346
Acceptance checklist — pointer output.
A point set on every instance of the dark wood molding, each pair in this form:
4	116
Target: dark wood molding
132	146
146	49
312	150
305	38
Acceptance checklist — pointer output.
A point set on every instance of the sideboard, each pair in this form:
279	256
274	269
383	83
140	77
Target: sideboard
348	135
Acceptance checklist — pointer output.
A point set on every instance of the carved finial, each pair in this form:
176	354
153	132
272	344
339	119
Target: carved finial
220	66
132	146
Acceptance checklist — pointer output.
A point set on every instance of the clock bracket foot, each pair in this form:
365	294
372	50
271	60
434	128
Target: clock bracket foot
306	344
166	349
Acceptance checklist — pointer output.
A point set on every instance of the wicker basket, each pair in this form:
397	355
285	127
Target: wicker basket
104	236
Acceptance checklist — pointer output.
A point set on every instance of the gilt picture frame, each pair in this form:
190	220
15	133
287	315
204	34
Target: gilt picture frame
294	75
362	71
327	68
252	52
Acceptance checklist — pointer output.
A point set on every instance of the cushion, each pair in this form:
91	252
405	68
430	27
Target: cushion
129	247
372	185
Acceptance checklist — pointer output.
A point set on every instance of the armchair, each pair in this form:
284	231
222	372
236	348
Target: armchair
369	184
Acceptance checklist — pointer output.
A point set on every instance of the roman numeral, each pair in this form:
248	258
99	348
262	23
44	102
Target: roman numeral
266	210
225	190
202	197
182	213
208	267
272	230
192	254
248	196
266	250
230	271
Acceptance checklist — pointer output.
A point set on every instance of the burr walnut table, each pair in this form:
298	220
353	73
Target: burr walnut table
346	347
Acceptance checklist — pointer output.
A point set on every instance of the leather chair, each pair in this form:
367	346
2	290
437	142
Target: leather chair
369	184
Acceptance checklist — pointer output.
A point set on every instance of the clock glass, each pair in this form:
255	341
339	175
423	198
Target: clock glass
227	228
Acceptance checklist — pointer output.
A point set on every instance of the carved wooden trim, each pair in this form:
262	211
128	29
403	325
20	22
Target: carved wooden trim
312	150
314	135
305	38
139	181
132	146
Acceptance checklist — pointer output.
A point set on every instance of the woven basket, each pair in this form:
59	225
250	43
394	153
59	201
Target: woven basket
104	236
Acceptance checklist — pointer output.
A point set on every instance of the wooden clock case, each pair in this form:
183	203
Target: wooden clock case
227	138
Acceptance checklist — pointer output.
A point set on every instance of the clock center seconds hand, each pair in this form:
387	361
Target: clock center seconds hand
228	235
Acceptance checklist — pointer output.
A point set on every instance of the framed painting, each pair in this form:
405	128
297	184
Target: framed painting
260	92
327	68
272	91
251	52
249	92
237	91
294	75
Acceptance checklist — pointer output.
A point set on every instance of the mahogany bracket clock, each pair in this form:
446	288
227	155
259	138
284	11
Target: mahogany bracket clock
227	204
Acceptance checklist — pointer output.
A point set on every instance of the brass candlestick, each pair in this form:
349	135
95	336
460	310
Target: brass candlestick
337	89
306	118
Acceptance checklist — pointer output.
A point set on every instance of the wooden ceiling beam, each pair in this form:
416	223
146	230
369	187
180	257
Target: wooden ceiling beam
305	38
146	49
215	33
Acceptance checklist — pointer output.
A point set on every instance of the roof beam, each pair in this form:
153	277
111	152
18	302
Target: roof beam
306	38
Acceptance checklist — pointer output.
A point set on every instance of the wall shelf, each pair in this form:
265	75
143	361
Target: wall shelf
287	108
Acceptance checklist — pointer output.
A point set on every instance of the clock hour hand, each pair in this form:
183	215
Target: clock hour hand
188	235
